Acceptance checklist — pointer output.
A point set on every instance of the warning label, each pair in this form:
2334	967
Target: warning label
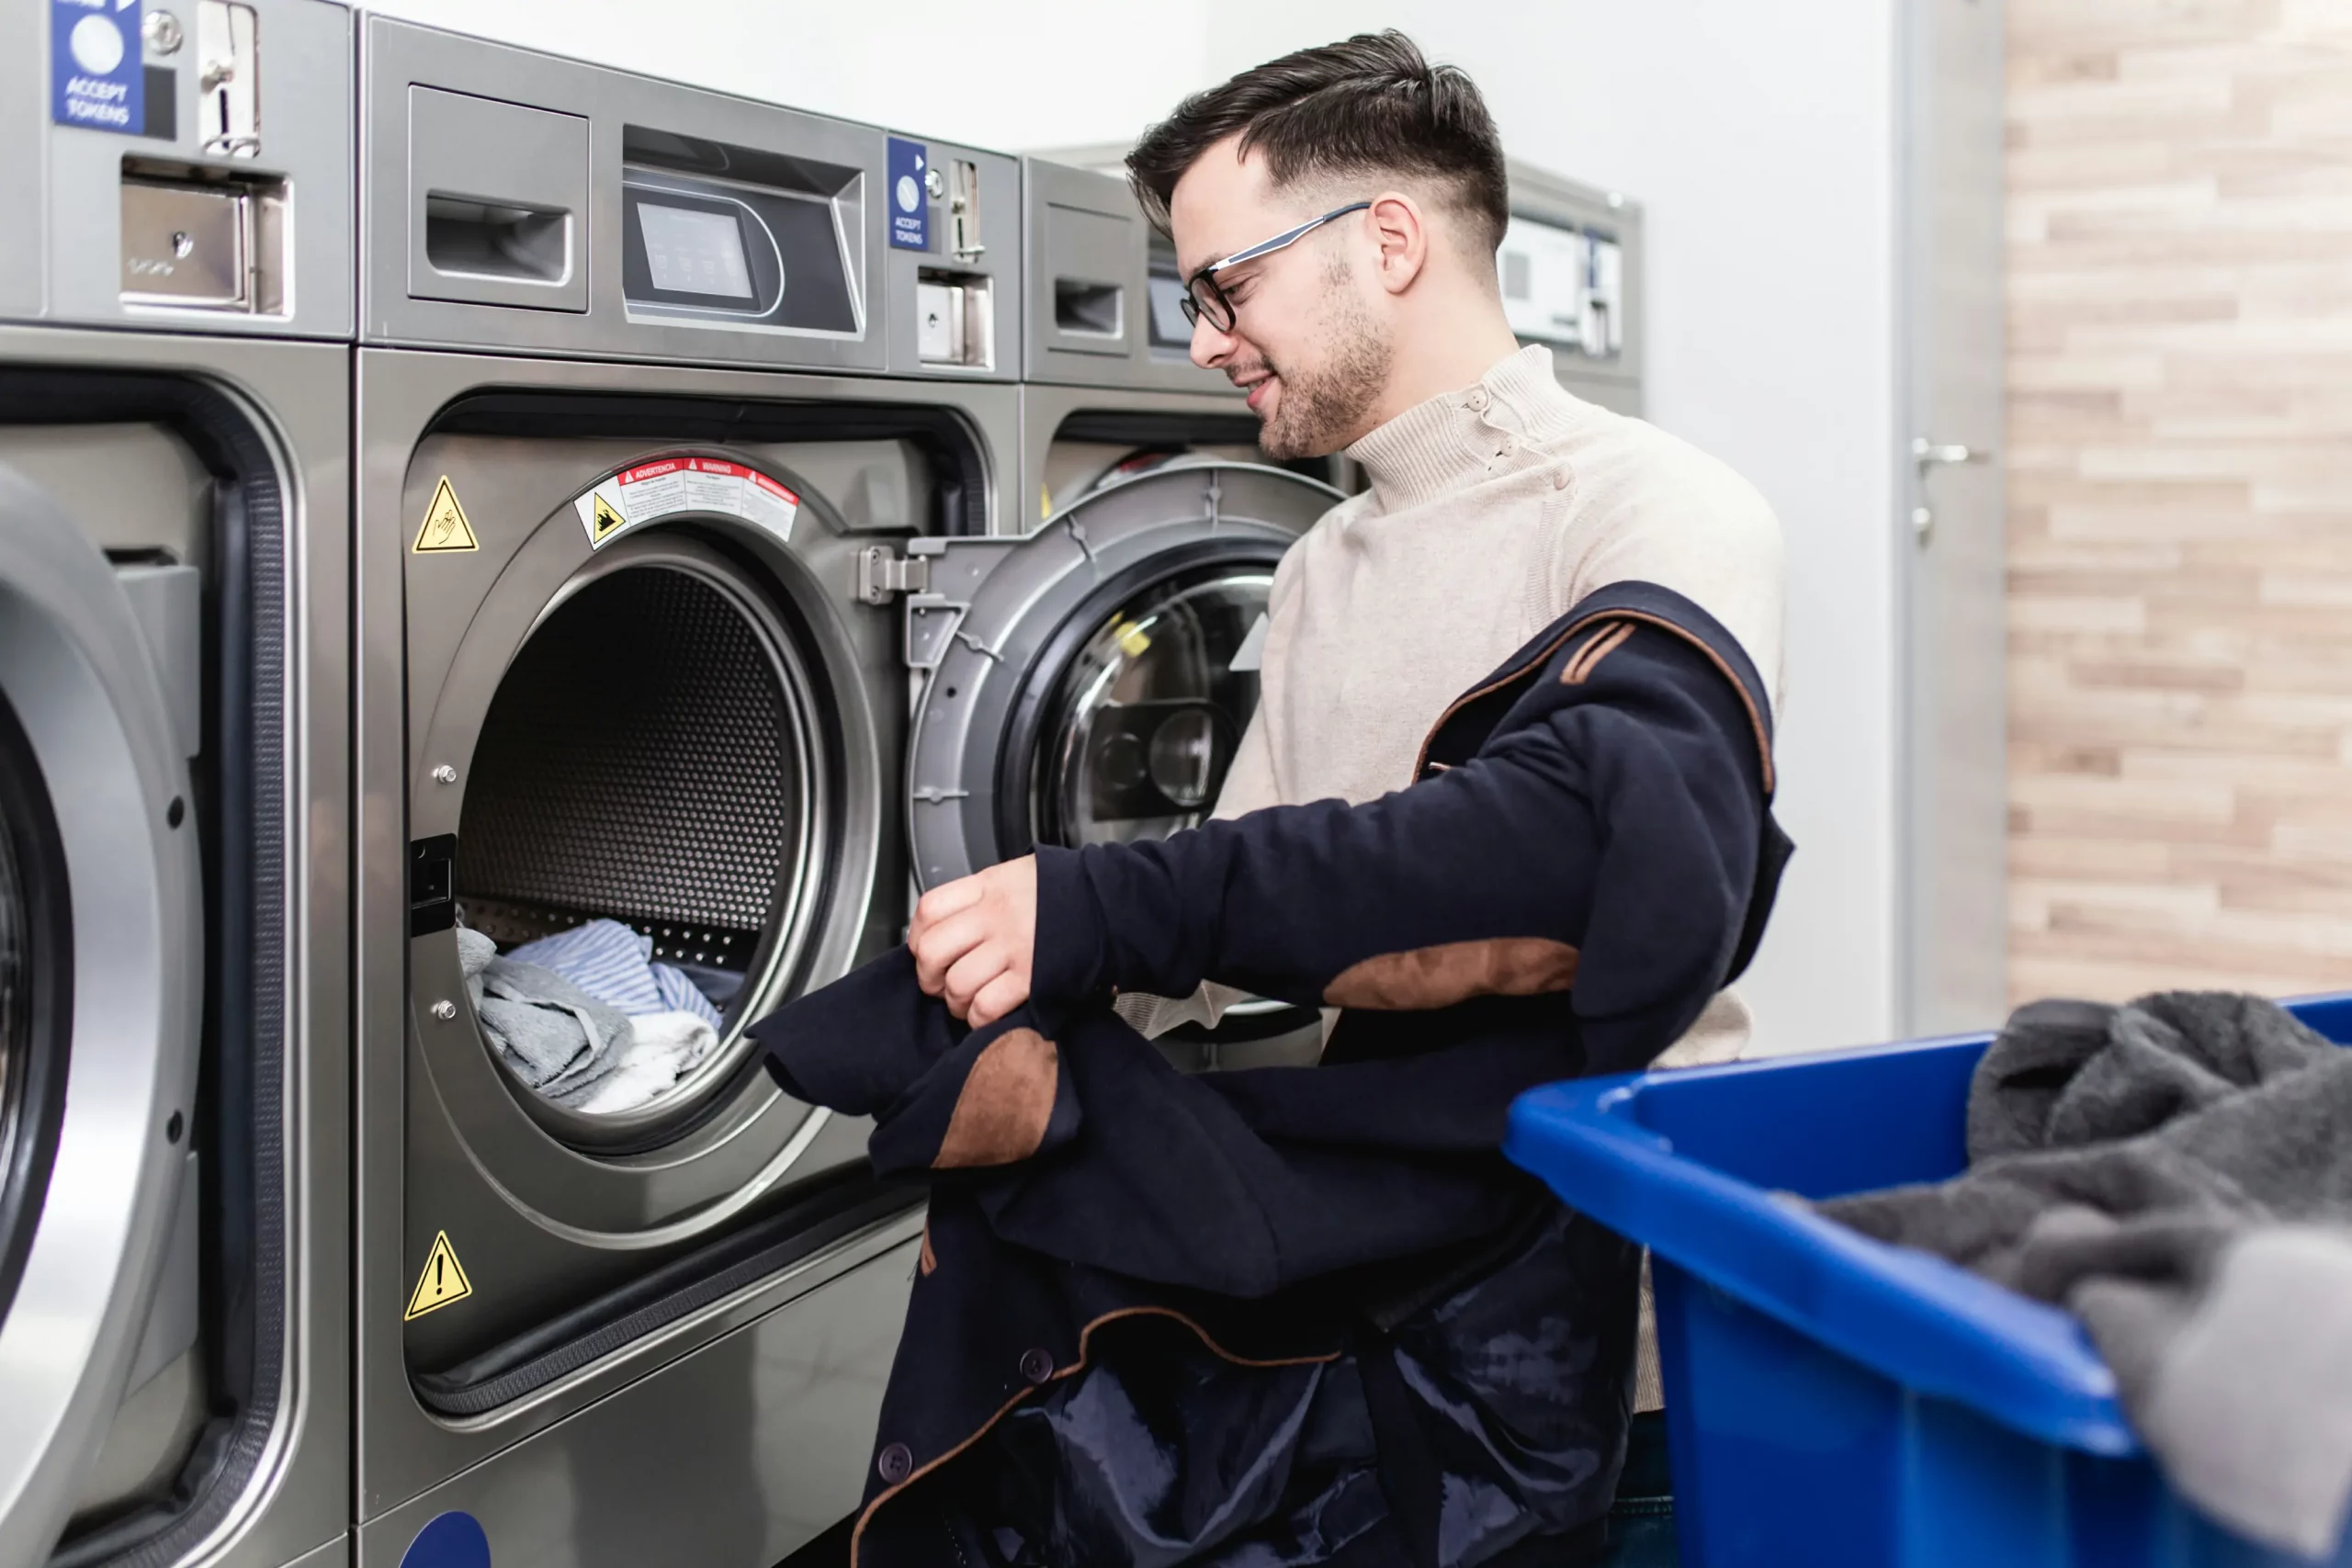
442	1282
676	485
603	519
445	527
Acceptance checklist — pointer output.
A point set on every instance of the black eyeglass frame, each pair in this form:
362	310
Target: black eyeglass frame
1204	297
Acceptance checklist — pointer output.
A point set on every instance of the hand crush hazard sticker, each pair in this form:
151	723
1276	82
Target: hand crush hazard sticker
675	486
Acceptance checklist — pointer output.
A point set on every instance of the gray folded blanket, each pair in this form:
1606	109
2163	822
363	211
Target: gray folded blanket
2177	1172
554	1036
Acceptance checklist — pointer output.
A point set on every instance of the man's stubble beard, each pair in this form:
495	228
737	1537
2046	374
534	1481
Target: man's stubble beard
1320	411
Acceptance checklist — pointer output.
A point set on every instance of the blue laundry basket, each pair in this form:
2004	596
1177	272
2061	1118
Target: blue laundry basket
1833	1402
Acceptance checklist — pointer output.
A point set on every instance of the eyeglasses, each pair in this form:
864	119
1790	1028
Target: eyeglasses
1204	297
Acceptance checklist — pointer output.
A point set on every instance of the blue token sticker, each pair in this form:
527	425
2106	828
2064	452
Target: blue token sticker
96	75
449	1540
909	198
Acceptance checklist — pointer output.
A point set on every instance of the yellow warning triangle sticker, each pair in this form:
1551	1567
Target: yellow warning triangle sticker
445	527
603	520
442	1280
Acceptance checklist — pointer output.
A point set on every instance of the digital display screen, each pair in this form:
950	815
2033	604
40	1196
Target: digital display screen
695	253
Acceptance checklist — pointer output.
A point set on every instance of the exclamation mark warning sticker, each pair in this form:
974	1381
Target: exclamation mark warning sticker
442	1282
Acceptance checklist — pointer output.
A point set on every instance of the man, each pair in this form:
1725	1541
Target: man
1336	213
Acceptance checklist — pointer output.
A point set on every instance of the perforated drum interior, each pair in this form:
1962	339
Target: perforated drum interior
654	755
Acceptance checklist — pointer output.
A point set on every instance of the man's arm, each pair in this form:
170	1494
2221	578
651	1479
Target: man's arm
1610	847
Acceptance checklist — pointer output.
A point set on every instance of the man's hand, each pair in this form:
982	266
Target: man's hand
972	940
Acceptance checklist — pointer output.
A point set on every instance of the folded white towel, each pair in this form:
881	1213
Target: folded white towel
666	1047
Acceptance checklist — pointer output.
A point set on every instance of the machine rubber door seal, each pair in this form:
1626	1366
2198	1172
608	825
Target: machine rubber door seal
566	1343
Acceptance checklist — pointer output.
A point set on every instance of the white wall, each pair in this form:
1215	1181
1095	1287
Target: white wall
1002	73
1759	138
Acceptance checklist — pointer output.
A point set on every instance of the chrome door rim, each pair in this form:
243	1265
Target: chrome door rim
93	710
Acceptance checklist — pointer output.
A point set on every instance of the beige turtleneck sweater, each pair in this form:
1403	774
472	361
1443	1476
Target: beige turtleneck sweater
1491	512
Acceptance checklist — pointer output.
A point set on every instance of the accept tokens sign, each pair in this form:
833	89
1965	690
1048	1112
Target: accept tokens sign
97	78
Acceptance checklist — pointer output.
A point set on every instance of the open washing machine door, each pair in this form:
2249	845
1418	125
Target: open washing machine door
100	981
1091	682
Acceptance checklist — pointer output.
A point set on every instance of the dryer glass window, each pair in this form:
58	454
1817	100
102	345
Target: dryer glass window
1150	711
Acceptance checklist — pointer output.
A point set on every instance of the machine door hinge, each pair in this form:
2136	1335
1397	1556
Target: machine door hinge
881	574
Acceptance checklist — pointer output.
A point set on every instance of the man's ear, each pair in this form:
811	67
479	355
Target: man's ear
1401	231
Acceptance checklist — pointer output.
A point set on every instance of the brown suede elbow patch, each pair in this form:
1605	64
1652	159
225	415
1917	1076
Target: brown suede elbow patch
1439	976
1007	1099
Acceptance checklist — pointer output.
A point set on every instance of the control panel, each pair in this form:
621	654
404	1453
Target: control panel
1570	269
181	163
523	201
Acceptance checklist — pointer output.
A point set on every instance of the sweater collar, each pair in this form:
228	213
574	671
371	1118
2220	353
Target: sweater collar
1457	438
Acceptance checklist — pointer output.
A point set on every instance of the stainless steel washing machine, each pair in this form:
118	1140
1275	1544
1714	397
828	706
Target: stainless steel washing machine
175	317
691	471
648	377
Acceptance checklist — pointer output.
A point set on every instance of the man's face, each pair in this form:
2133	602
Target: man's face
1308	341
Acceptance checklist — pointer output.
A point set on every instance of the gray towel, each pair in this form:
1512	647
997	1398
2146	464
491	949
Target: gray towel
554	1036
2179	1173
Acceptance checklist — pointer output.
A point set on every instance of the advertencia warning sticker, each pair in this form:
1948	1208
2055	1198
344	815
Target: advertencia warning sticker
97	73
676	485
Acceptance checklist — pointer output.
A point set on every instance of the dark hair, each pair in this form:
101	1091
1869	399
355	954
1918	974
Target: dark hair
1369	106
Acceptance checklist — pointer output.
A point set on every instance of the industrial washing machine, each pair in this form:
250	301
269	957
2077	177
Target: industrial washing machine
689	434
176	316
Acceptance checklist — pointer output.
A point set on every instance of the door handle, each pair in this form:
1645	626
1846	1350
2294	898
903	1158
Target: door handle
1934	454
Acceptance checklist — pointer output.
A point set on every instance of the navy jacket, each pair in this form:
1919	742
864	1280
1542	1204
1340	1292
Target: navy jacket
1586	856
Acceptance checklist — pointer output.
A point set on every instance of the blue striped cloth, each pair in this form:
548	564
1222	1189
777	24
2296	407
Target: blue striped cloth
613	965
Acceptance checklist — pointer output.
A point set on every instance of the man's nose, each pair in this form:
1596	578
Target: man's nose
1211	347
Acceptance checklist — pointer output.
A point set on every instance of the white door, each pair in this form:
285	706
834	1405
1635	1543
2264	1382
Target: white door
1955	694
100	973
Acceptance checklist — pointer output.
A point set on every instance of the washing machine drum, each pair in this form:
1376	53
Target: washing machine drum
648	815
650	758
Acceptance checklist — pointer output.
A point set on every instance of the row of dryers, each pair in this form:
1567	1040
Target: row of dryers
455	498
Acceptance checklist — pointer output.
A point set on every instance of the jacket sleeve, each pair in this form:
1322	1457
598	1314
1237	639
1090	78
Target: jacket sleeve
1604	843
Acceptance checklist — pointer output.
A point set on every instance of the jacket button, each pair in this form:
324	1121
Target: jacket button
897	1462
1036	1366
